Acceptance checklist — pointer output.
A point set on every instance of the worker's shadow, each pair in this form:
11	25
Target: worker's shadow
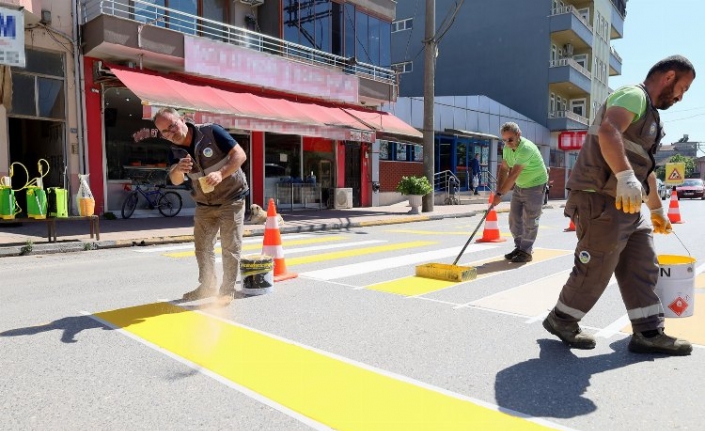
553	385
70	327
498	266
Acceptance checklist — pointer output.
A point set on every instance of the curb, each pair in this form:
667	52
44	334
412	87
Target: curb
77	246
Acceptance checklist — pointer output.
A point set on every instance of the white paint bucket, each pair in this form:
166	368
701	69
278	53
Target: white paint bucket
676	285
257	272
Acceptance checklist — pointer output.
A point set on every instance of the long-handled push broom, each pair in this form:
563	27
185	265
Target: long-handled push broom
452	272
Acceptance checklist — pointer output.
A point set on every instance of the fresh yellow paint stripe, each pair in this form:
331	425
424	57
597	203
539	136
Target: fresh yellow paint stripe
248	247
409	286
355	252
690	328
331	391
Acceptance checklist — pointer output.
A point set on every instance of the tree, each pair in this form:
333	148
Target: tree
689	166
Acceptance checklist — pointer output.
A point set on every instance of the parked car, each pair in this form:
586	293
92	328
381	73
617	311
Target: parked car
664	191
691	188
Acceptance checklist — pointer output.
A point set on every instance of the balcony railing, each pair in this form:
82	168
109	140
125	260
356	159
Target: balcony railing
569	115
572	63
148	13
570	9
616	55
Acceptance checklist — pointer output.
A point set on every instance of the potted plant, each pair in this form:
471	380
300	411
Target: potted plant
415	188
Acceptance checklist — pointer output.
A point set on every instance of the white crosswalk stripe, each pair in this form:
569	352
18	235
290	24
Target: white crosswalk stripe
343	271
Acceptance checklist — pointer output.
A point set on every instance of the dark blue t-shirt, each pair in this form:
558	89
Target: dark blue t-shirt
222	139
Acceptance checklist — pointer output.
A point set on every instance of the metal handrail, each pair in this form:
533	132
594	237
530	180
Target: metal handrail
616	55
570	115
574	11
151	14
572	63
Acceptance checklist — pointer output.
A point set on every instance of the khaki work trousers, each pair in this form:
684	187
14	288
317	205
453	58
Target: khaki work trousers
524	213
229	219
611	242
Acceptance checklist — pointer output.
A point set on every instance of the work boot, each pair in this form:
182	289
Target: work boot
199	293
521	256
569	333
511	254
660	343
225	296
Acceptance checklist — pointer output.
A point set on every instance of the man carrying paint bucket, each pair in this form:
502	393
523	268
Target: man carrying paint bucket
615	164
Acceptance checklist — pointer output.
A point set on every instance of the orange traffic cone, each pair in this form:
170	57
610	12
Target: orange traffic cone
491	231
674	212
272	244
570	228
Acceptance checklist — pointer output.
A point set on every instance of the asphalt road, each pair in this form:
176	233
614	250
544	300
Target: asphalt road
98	340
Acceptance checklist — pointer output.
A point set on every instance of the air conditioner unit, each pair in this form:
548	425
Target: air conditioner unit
343	198
568	49
253	3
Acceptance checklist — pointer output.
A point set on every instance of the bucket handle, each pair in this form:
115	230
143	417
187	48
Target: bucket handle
679	240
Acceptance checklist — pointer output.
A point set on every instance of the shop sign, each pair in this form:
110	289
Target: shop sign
205	57
145	133
361	136
12	37
573	140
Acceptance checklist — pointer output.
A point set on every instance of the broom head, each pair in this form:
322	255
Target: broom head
447	272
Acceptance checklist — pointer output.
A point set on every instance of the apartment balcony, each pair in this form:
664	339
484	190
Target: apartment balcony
145	35
566	120
615	62
567	77
569	27
619	12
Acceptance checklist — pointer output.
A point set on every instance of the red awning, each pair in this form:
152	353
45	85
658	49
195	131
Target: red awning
241	110
386	124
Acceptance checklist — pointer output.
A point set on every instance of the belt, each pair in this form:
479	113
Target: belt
238	197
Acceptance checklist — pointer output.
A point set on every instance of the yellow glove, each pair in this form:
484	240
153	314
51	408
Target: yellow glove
660	221
628	196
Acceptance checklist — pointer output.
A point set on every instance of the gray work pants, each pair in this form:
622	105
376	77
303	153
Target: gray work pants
610	241
524	214
229	219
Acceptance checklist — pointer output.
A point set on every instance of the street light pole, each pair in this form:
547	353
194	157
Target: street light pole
428	90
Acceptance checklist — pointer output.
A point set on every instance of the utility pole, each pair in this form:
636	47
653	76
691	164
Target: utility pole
429	78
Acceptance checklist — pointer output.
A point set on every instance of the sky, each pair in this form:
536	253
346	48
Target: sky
653	30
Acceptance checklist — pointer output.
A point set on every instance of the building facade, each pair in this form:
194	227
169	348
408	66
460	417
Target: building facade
549	60
297	84
40	114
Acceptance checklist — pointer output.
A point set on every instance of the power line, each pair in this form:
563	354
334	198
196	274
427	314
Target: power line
684	118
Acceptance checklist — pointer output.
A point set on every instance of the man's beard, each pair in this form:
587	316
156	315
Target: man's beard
665	99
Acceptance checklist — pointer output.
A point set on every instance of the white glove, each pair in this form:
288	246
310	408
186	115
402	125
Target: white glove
628	197
660	221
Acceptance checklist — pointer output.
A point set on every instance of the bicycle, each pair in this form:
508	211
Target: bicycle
168	203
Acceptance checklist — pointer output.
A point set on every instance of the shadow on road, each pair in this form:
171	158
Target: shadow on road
553	385
70	327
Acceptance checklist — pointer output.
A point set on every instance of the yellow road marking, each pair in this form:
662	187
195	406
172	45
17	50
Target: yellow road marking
409	286
248	247
689	328
355	252
428	232
330	390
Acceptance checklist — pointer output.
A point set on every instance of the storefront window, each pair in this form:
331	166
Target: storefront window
39	87
384	150
401	152
418	153
134	150
282	161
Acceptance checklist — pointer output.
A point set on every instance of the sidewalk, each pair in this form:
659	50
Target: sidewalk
74	235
